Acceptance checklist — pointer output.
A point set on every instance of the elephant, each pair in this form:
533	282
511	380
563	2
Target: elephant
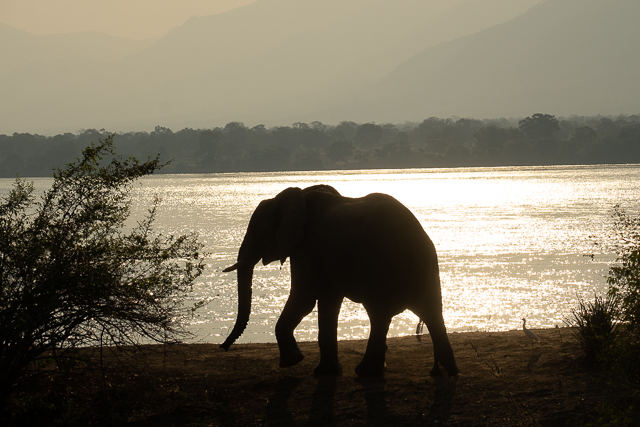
371	250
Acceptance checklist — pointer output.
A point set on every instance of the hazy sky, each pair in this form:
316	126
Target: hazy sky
137	19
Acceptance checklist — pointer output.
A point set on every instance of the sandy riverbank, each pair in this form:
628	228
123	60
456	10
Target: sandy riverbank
502	382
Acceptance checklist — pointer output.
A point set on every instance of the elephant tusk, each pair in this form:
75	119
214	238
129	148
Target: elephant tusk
232	268
240	264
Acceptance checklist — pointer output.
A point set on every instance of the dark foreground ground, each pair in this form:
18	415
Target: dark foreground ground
503	382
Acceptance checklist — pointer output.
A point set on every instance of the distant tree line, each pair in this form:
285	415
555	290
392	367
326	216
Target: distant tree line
541	139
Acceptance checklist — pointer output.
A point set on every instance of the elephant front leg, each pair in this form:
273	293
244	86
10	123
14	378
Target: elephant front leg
296	308
328	313
373	364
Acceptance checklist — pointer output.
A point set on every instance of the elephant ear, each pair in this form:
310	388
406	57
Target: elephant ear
293	217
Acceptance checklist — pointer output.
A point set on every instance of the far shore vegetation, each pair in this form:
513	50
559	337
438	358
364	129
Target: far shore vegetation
540	139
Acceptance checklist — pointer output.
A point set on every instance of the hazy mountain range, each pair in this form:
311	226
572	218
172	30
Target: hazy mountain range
281	61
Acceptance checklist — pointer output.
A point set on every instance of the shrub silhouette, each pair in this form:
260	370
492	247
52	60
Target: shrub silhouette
72	274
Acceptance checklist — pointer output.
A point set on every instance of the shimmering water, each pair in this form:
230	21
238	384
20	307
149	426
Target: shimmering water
511	241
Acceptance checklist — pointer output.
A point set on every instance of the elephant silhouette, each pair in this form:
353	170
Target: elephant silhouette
371	250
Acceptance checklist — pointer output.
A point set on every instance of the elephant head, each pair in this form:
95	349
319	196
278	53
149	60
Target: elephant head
275	229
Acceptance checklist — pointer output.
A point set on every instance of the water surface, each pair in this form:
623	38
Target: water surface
512	241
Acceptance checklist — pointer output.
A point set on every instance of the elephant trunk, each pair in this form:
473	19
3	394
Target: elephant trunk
245	274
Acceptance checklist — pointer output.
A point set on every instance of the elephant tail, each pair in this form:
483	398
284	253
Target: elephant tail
419	329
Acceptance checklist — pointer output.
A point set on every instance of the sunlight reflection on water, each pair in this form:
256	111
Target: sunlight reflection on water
511	241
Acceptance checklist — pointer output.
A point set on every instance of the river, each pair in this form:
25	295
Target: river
512	241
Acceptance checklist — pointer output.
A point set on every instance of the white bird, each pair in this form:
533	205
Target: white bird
529	333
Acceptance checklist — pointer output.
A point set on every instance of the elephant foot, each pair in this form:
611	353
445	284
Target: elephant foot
452	371
436	372
370	370
333	367
290	358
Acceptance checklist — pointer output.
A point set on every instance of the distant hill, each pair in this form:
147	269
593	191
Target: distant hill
280	61
20	50
562	57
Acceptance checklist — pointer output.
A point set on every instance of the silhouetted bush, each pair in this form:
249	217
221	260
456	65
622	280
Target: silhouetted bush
609	328
624	276
596	325
72	274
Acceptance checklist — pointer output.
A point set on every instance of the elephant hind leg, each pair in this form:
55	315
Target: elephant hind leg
442	351
373	363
